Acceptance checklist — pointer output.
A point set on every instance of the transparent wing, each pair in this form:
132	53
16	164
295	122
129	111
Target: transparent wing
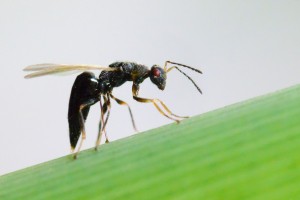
48	68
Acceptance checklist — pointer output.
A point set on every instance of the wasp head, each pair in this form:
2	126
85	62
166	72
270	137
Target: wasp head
158	76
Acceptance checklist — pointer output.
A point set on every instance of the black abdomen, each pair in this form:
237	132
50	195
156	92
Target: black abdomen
84	90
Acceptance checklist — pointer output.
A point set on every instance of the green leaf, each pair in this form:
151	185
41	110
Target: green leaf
248	150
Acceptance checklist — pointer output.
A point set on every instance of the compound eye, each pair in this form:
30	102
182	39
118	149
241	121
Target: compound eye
156	72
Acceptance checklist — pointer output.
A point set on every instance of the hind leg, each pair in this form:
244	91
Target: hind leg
82	126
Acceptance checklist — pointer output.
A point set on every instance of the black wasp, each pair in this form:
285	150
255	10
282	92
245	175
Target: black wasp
88	90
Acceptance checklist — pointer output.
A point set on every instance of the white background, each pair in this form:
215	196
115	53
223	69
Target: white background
244	48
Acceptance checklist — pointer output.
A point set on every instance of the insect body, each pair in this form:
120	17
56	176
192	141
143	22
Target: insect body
88	90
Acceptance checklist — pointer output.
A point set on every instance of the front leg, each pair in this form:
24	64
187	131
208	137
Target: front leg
156	102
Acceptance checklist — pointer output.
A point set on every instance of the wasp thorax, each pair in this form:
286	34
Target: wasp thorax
158	76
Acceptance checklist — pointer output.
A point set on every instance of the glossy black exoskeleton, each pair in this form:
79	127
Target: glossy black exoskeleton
88	90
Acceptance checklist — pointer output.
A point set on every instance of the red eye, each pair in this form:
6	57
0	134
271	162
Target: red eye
156	72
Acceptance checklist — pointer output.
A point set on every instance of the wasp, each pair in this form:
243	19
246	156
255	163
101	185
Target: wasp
87	90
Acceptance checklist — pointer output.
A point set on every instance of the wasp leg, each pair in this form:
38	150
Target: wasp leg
144	100
168	110
155	102
104	108
107	101
119	101
82	126
100	125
